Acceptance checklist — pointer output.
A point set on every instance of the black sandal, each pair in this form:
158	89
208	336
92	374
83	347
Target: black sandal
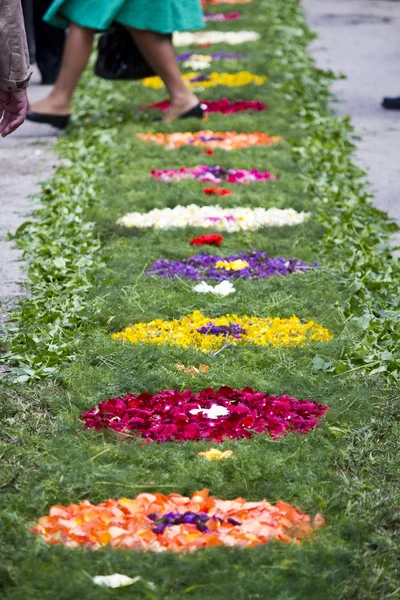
59	121
196	112
391	103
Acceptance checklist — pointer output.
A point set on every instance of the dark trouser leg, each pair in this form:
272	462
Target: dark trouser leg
27	8
49	43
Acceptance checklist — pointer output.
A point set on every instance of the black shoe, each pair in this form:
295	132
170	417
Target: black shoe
391	103
59	121
196	112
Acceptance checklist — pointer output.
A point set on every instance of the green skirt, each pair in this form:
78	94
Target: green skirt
163	16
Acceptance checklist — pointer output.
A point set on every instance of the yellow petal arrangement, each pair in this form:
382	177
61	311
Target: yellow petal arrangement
271	331
211	80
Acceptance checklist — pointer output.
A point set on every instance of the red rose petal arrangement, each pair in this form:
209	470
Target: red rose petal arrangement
215	190
223	106
212	239
227	413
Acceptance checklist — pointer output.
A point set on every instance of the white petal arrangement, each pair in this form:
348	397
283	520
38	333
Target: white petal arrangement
215	217
185	38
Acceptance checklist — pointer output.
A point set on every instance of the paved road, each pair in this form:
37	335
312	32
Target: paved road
26	158
362	39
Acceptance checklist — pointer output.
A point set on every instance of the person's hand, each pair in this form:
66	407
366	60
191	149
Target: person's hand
13	107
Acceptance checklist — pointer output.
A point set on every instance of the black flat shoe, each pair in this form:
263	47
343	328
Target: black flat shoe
391	103
196	112
59	121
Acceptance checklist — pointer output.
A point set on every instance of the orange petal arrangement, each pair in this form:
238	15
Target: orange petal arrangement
157	522
225	140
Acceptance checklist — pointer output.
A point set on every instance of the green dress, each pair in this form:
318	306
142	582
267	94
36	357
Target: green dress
163	16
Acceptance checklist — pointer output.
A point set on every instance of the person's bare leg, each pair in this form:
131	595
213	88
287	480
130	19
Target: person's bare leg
77	51
159	53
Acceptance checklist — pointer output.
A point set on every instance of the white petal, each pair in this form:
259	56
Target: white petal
115	581
224	288
221	289
214	412
203	287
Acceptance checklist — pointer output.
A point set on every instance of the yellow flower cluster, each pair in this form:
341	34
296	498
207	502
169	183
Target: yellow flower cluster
230	79
215	454
233	265
272	331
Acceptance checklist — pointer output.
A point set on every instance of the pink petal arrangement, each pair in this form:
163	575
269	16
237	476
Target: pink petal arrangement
212	175
210	16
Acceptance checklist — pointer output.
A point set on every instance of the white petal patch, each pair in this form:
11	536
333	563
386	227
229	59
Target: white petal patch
233	219
224	288
115	581
214	412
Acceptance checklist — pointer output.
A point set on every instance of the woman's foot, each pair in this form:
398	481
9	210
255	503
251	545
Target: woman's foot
50	106
179	106
50	112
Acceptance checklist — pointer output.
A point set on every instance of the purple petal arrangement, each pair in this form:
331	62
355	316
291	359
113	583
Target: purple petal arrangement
175	518
233	329
199	519
202	266
199	78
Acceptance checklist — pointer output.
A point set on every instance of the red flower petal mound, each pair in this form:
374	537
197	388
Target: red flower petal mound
172	415
213	239
174	522
222	106
217	191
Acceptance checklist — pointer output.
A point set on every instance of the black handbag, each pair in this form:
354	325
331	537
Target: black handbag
119	58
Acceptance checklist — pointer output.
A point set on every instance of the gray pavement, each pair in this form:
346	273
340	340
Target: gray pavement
361	38
26	158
